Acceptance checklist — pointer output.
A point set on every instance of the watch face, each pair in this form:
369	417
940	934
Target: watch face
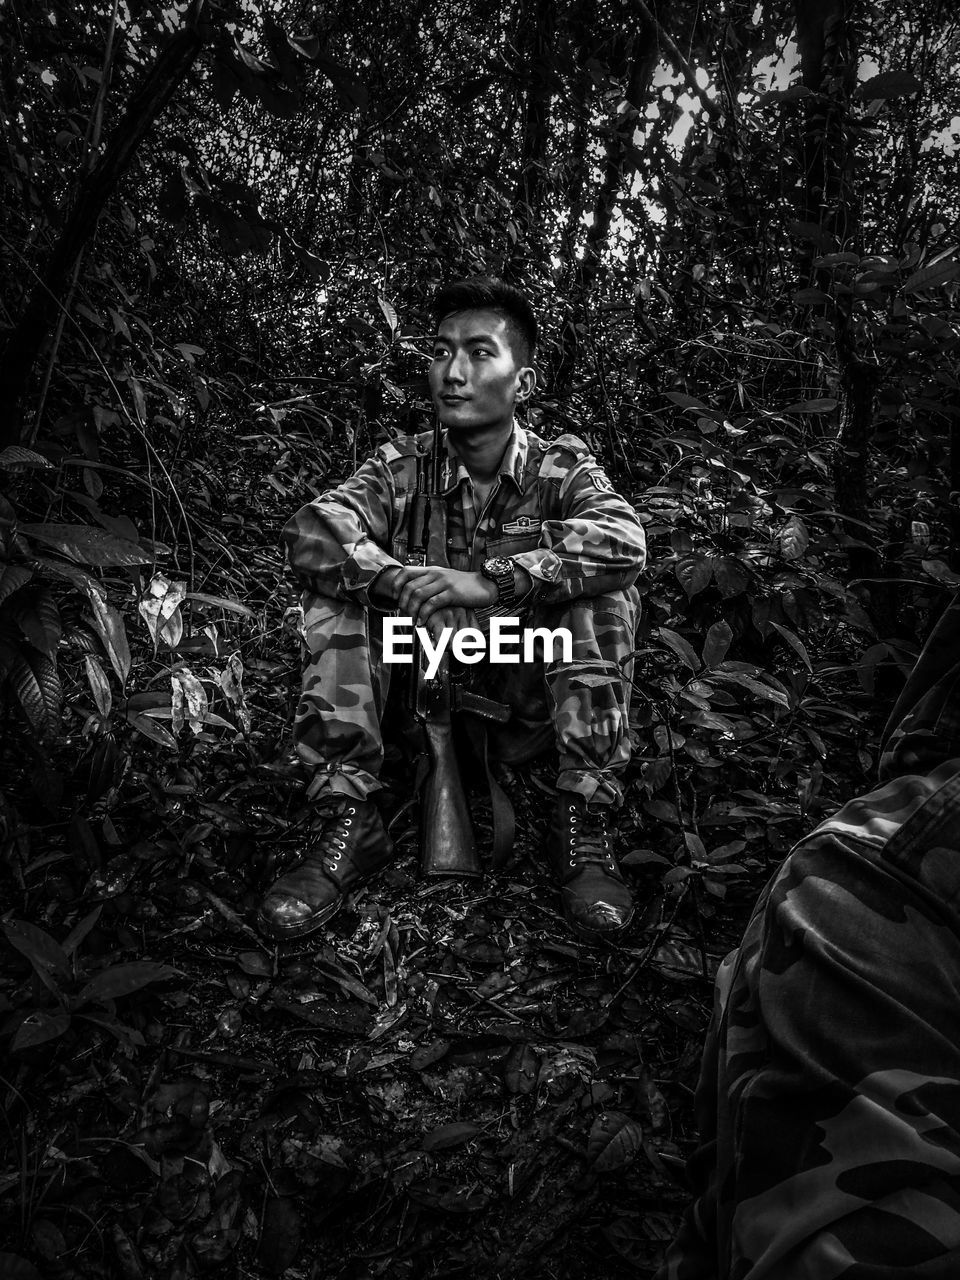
498	565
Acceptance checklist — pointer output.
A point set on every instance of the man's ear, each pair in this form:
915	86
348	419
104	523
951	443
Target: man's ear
526	382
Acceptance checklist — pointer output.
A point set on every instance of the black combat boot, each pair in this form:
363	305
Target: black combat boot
350	845
595	899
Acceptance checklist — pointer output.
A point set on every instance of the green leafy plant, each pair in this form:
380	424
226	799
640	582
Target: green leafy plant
68	990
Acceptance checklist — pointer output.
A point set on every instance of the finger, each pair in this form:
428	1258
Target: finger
434	611
412	596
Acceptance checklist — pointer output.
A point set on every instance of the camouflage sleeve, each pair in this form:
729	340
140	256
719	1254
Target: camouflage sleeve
597	545
829	1100
337	544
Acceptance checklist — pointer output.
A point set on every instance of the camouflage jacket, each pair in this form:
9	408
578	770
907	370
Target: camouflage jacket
829	1098
553	510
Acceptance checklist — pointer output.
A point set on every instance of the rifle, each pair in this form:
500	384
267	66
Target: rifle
447	842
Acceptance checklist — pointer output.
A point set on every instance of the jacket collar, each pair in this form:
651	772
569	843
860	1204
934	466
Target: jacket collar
512	465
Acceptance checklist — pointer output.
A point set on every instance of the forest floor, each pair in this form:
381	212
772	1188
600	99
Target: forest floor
443	1083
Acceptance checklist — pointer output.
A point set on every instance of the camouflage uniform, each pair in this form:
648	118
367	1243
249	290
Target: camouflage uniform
829	1099
555	512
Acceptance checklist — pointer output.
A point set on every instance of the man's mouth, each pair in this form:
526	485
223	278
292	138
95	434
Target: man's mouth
453	399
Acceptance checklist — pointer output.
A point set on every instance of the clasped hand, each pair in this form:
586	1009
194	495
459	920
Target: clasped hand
436	597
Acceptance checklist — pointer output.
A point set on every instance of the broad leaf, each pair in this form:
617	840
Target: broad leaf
12	578
389	314
48	683
16	457
755	686
159	607
942	572
795	643
694	574
80	930
111	630
122	979
614	1141
351	90
794	538
99	685
688	402
889	84
86	545
43	952
429	1053
521	1069
825	404
449	1135
38	1027
82	580
126	1035
189	702
24	684
682	648
731	576
155	732
932	277
38	617
716	643
221	602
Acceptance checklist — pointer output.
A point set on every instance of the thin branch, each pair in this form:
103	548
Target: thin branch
680	62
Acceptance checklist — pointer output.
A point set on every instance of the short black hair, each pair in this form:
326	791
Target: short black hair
489	293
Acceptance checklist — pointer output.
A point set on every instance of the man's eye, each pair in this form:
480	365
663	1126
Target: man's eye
480	351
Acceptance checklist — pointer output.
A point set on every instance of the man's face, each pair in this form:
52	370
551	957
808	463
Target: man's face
475	378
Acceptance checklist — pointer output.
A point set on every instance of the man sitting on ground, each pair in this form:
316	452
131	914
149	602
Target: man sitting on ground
535	531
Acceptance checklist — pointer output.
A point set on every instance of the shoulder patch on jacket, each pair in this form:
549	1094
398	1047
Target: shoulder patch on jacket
562	455
600	480
402	447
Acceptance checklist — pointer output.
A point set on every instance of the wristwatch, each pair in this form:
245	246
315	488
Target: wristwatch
499	569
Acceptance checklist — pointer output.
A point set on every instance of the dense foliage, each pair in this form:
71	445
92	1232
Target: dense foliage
221	224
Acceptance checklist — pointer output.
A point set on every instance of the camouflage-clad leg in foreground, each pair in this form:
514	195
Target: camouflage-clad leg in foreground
829	1099
345	684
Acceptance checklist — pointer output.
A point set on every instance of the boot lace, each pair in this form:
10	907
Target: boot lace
589	837
332	839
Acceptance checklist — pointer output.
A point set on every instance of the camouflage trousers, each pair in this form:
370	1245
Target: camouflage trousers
829	1097
582	704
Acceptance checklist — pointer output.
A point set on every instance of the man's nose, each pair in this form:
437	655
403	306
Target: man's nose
455	370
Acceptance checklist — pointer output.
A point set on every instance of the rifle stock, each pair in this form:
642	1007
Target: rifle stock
448	846
447	843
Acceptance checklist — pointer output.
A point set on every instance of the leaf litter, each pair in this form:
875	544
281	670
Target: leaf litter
444	1080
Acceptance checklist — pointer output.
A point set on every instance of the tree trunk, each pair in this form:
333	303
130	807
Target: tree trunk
828	63
828	67
618	167
540	18
26	341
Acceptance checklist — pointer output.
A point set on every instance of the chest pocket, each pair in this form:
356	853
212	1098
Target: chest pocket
517	531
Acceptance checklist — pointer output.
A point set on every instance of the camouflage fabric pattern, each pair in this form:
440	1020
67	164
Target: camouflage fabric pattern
553	509
829	1097
586	700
